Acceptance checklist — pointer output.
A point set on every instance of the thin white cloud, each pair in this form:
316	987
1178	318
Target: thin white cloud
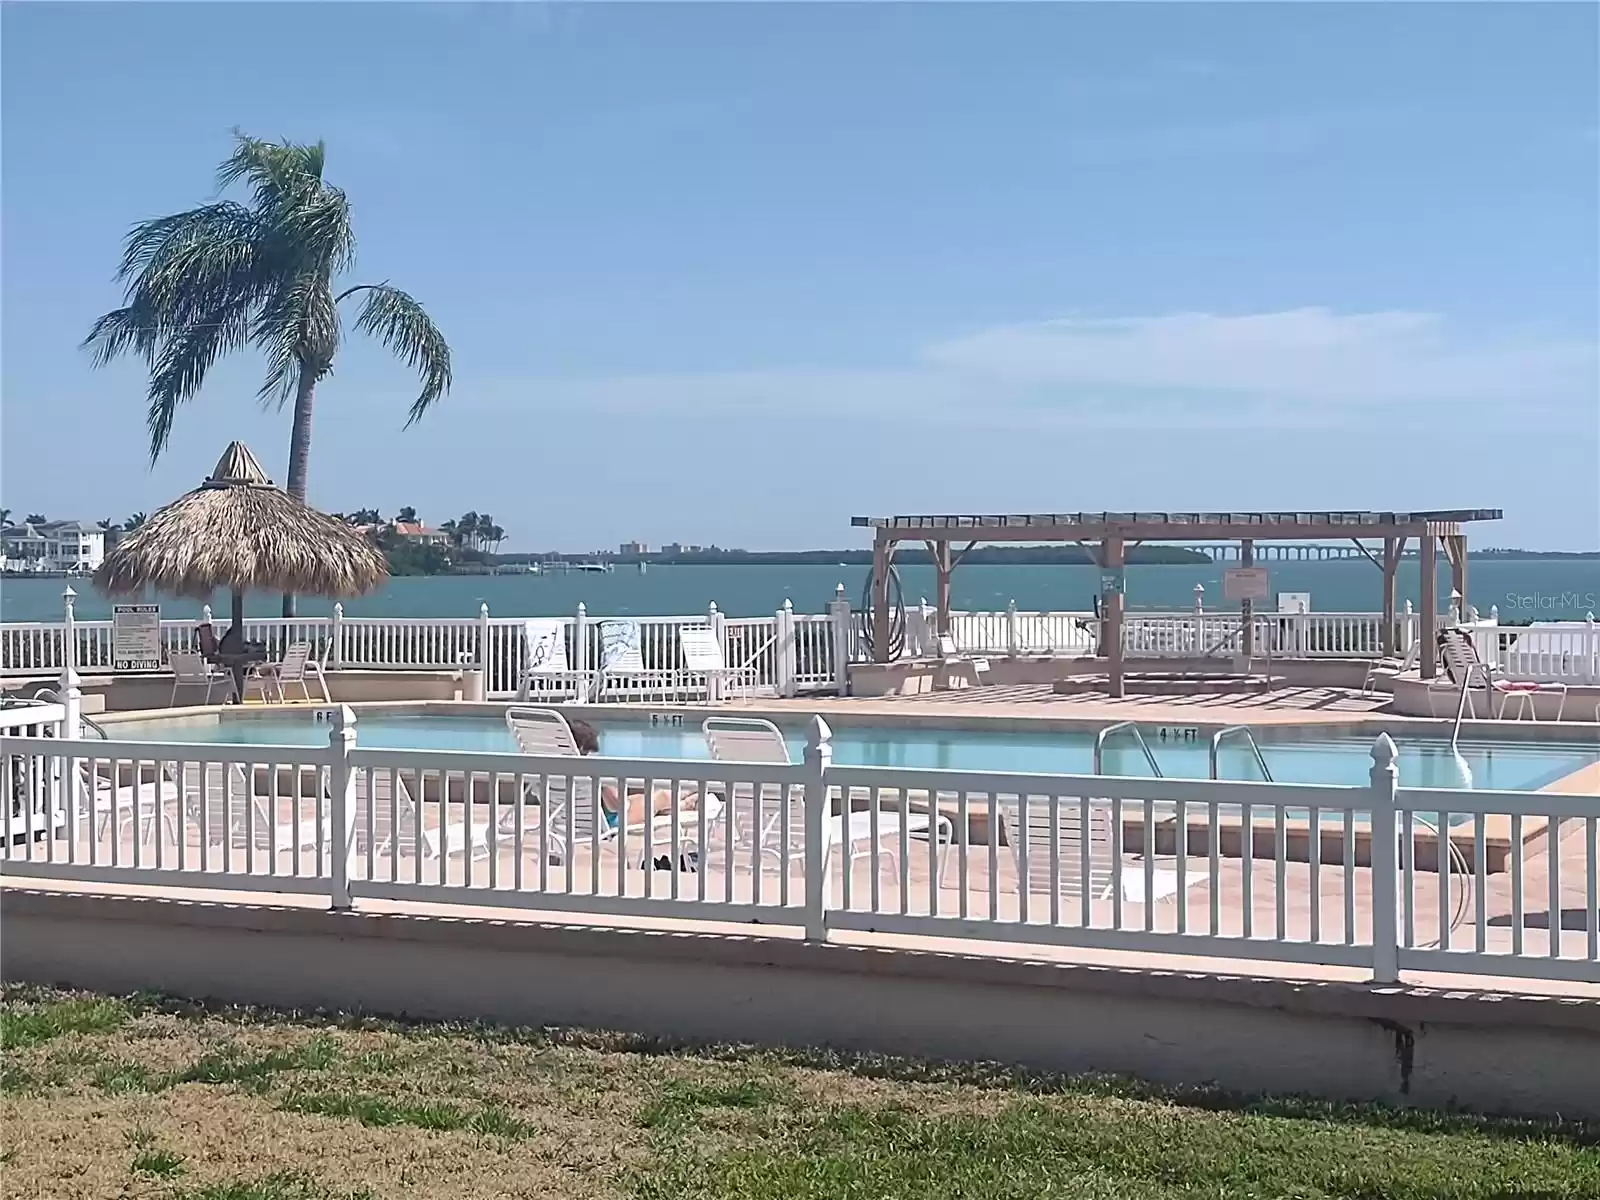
1301	354
1303	368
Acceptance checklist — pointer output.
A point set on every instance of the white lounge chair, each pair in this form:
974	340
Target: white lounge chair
384	797
222	797
622	663
569	804
1389	666
952	660
1463	667
1030	840
702	655
761	826
296	665
191	670
546	673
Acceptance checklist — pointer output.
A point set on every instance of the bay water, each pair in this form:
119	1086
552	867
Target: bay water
1521	589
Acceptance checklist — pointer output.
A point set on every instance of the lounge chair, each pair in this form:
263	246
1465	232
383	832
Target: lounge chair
952	660
622	663
1030	839
570	805
191	670
1390	667
1463	668
223	798
702	655
384	798
761	826
297	663
546	673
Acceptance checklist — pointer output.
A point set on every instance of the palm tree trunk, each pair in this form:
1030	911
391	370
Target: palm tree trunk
300	448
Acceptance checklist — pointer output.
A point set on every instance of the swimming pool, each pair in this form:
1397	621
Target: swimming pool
1301	755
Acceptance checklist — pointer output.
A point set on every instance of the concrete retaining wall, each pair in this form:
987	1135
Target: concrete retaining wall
1341	1041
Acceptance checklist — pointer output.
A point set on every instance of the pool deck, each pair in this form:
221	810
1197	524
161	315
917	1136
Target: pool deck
1282	706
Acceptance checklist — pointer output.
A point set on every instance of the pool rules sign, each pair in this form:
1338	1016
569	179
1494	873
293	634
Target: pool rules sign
136	637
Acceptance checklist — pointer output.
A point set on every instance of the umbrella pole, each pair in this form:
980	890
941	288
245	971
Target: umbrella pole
238	662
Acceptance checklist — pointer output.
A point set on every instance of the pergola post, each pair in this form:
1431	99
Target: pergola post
1428	545
1247	606
882	557
1455	549
940	553
1393	548
1112	559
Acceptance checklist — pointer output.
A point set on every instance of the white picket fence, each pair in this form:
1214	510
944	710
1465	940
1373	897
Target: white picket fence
792	653
1199	867
785	654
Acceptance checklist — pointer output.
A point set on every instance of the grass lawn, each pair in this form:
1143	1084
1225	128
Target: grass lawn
147	1097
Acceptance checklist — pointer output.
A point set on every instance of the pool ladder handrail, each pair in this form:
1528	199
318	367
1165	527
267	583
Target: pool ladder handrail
55	698
1100	745
1255	749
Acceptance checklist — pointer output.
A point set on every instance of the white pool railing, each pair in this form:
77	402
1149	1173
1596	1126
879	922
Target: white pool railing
1344	876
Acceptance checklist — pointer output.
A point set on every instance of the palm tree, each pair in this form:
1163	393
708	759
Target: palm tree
133	522
110	529
36	519
467	531
227	275
486	528
5	517
406	515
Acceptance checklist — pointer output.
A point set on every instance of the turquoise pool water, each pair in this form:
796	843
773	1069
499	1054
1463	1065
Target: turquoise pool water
1299	756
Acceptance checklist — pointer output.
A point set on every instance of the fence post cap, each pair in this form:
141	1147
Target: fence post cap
1408	608
787	606
712	607
820	736
582	608
338	608
483	609
69	595
838	592
344	723
1383	752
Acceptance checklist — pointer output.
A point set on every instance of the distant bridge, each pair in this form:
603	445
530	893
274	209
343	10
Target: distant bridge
1281	552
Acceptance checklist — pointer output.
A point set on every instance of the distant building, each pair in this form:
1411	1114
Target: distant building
633	549
419	534
71	546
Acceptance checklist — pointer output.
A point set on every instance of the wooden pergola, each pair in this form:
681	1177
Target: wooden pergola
1107	537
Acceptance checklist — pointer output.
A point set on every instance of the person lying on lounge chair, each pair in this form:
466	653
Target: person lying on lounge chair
588	742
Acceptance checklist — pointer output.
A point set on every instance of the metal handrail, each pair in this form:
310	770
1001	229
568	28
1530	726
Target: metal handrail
1100	745
1216	745
55	698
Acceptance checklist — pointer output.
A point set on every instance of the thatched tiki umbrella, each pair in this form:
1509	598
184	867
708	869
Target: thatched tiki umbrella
238	531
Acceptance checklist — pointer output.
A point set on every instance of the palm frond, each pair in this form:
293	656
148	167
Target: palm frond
278	172
181	370
118	331
298	327
226	221
399	322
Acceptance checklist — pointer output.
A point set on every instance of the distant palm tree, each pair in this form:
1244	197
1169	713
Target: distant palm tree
110	529
5	516
451	533
133	522
227	275
496	535
467	531
36	519
406	515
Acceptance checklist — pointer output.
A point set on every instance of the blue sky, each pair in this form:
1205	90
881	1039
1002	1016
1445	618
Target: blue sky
734	273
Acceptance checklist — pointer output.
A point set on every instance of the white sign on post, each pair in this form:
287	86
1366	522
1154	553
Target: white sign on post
136	637
1244	583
